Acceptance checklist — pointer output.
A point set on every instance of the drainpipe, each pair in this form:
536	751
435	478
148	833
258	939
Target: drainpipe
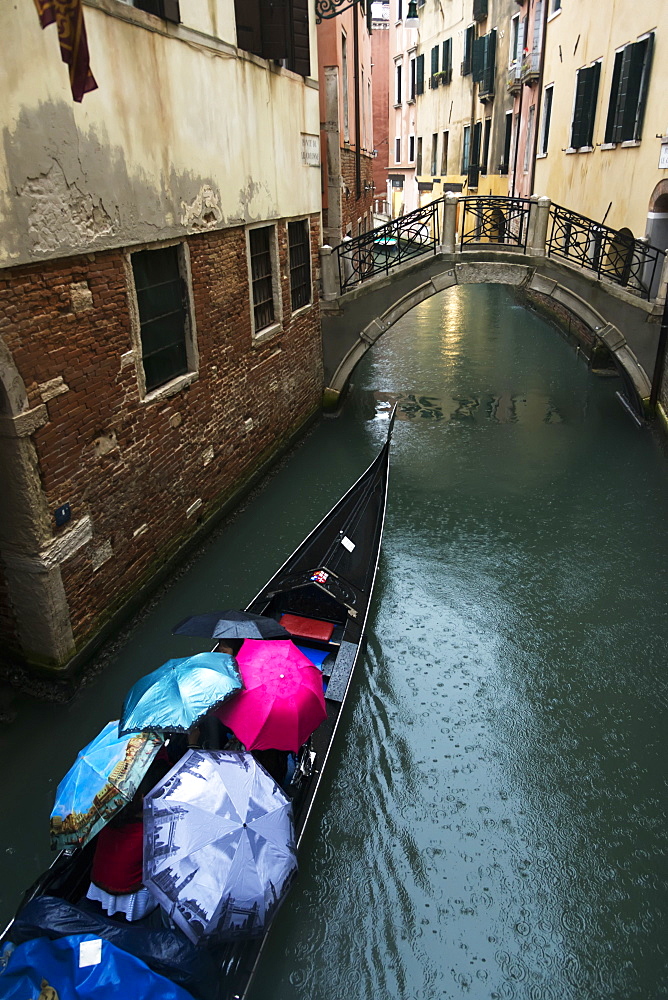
541	70
356	58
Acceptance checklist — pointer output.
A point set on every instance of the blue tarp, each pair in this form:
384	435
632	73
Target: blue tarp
167	952
81	967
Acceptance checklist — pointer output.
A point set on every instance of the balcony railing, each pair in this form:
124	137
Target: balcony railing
495	220
610	253
381	249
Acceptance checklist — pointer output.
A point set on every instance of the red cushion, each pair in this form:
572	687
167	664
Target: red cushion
307	628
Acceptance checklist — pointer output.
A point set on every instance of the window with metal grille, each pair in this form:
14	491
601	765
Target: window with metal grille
163	315
628	93
300	263
261	276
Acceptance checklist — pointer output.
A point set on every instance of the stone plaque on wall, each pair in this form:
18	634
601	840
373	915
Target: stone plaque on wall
310	150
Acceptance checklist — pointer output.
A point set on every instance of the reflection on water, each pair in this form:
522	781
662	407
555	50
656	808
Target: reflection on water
505	409
492	824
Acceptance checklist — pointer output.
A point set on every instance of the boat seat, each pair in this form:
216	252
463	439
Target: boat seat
307	628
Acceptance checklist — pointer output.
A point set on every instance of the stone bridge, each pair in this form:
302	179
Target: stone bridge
623	323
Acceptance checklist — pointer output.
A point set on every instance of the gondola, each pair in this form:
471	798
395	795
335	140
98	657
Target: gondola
321	595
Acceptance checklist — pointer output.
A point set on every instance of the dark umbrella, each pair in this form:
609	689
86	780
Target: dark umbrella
231	625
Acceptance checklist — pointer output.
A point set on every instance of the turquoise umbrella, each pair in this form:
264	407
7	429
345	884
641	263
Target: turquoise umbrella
177	694
103	779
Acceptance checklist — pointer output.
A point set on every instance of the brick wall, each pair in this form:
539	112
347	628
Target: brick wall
135	467
353	208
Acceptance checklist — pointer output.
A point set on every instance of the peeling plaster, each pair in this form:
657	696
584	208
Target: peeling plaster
60	213
204	212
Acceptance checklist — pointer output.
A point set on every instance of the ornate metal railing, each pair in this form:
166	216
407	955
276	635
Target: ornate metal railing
387	246
495	220
611	253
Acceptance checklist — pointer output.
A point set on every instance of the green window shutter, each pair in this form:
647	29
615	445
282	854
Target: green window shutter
300	61
275	29
433	82
478	60
489	66
644	84
586	93
614	98
446	64
419	74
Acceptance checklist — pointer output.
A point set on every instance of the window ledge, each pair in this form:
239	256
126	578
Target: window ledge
630	143
397	104
302	309
264	335
608	145
170	388
410	100
580	149
555	13
541	156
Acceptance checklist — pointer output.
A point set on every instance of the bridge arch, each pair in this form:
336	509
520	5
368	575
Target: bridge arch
380	302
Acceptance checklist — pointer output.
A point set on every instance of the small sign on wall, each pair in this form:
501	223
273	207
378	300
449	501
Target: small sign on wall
663	156
310	150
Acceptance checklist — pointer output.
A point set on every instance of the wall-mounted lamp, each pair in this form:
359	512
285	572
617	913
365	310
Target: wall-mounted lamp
411	20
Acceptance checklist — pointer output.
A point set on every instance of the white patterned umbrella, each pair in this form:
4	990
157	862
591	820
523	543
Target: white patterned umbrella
219	848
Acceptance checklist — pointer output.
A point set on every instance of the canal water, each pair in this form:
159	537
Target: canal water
492	822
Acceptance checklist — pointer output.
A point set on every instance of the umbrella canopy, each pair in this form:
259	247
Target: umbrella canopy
282	701
177	694
103	779
231	625
219	849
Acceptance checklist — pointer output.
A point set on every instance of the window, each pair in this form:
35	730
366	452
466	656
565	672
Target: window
399	10
485	145
505	162
418	161
411	149
166	9
513	54
434	154
433	79
164	320
419	74
261	244
469	38
547	114
444	153
412	79
397	83
300	263
397	150
446	62
584	111
466	149
529	137
274	31
474	158
630	79
555	5
344	74
483	61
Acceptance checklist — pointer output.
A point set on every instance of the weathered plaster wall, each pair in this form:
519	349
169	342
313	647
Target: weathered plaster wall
181	136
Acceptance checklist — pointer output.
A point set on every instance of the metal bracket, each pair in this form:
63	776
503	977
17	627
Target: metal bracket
330	8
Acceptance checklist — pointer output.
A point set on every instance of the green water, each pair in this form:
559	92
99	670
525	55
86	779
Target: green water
492	823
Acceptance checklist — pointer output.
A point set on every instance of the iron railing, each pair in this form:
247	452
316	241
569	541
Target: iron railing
610	253
387	246
495	220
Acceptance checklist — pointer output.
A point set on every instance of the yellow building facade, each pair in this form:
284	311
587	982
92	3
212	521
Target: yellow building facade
603	130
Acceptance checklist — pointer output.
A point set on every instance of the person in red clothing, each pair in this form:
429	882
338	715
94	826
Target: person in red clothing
117	872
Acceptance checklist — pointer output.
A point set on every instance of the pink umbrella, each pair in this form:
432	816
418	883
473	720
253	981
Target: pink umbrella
282	701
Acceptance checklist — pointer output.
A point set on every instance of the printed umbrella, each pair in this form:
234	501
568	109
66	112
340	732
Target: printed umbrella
103	779
282	701
219	851
231	625
177	694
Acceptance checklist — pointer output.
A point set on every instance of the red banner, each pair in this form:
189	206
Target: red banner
68	15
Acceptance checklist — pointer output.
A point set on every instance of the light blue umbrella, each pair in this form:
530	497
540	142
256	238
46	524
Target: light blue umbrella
103	779
219	847
177	694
